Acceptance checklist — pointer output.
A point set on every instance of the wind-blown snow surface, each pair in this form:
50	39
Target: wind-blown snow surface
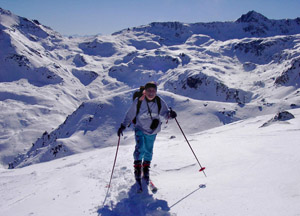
251	170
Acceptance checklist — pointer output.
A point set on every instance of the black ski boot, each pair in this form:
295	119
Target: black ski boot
146	169
138	174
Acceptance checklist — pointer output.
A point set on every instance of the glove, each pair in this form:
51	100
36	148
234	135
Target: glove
121	129
172	114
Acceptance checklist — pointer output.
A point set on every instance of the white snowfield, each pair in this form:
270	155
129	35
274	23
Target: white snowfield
62	100
251	170
235	70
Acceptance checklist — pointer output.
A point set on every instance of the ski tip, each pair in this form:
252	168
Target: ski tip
203	168
154	190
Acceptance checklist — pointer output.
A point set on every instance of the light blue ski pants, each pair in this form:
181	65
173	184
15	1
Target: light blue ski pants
144	146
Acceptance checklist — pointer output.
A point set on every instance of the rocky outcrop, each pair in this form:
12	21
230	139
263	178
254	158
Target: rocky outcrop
204	87
279	117
291	76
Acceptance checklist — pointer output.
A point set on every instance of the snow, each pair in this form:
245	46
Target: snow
62	100
250	171
45	77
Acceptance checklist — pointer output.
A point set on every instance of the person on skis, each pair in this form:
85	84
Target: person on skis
145	112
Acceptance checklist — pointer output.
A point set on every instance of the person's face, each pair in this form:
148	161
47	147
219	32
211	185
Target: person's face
150	93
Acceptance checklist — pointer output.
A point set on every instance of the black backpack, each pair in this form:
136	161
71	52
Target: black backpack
138	94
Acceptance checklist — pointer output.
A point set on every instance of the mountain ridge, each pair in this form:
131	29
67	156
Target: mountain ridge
219	72
252	24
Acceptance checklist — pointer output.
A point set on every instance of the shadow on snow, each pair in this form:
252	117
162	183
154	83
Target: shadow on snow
137	204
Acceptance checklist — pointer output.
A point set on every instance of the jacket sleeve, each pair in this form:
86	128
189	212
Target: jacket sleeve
164	109
131	113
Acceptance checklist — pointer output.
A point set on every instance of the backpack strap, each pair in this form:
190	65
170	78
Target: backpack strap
138	107
158	101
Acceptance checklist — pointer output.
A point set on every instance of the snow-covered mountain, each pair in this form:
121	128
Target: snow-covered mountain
251	170
248	25
65	95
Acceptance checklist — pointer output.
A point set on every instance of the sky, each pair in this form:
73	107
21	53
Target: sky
91	17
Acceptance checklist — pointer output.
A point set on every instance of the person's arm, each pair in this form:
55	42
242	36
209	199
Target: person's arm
166	112
130	114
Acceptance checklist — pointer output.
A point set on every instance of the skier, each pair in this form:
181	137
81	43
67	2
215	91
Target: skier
145	112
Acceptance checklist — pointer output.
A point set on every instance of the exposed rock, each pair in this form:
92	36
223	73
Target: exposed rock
79	61
291	75
84	76
252	16
281	116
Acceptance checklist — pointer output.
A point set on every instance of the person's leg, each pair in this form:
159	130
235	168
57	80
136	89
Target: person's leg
149	143
146	170
138	170
148	146
139	151
138	154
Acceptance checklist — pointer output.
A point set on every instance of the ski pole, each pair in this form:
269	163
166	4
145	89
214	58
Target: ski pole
108	186
201	168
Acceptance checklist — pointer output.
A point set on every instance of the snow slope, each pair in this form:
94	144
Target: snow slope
251	170
36	90
230	71
63	98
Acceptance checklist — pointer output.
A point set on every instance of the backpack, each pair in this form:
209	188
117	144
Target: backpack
138	94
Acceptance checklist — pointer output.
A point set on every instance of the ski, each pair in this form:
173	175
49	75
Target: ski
139	186
152	187
139	190
145	183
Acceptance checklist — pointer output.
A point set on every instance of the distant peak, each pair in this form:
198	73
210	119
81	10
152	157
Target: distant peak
6	12
252	16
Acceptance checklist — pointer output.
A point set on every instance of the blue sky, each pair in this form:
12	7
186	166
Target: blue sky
89	17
